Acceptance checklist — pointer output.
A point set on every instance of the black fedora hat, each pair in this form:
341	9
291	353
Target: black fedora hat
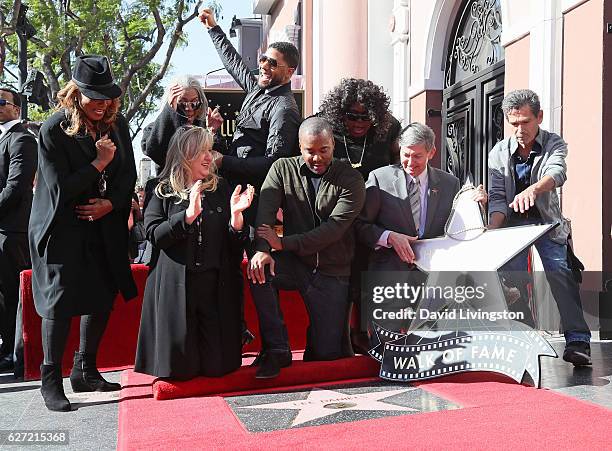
94	77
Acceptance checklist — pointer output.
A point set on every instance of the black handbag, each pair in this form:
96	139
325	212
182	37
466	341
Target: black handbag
573	262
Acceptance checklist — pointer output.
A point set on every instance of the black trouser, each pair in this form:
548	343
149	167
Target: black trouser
358	266
326	300
14	257
55	334
204	346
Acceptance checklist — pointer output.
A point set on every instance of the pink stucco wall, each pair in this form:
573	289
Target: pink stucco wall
307	53
582	129
516	68
419	104
343	34
282	15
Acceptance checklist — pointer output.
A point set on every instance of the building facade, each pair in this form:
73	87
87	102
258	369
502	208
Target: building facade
448	63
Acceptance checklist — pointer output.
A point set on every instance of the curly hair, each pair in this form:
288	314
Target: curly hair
357	90
68	99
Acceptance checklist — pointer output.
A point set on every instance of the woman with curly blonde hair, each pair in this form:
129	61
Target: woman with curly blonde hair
190	324
78	227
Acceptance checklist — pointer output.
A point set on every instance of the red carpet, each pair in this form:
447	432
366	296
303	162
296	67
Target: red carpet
298	374
118	346
496	414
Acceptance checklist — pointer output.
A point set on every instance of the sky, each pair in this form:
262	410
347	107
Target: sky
199	56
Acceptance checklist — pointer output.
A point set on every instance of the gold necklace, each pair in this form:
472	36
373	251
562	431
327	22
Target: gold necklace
355	165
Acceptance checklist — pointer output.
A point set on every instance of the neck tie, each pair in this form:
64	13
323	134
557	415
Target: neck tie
415	202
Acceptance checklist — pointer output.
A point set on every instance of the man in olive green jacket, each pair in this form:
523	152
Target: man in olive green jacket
320	198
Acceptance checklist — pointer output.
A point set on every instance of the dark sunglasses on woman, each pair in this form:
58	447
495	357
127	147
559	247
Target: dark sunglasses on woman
4	102
357	116
194	105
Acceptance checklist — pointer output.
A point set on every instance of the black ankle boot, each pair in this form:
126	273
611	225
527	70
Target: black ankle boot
52	388
85	375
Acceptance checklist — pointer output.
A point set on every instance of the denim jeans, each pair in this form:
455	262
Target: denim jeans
563	286
326	300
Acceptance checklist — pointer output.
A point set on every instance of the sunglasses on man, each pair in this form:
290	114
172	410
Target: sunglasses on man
357	116
4	102
271	61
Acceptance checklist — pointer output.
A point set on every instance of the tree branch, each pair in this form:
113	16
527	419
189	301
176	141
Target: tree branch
10	28
147	57
47	69
65	60
178	31
39	42
138	126
128	41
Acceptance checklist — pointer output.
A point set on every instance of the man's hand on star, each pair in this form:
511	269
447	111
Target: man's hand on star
401	245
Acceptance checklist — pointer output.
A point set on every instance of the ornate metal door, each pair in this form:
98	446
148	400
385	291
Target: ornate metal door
472	120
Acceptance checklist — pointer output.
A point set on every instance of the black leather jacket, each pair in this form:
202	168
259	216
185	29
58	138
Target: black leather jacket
267	126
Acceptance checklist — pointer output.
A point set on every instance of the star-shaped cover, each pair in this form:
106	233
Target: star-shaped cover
470	252
468	255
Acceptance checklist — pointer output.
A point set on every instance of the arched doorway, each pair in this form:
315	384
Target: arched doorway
472	120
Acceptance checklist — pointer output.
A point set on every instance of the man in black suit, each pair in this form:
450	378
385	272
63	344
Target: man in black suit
18	160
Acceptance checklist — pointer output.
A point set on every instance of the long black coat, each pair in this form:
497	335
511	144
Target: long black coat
58	239
162	338
157	134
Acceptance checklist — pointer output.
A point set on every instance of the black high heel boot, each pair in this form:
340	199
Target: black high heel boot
52	388
85	376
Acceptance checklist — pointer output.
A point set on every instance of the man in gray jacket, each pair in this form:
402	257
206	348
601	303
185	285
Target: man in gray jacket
320	198
524	172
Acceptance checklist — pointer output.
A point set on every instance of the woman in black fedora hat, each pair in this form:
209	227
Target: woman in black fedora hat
78	228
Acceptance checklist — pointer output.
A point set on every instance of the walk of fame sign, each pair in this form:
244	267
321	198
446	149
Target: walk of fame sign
457	318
